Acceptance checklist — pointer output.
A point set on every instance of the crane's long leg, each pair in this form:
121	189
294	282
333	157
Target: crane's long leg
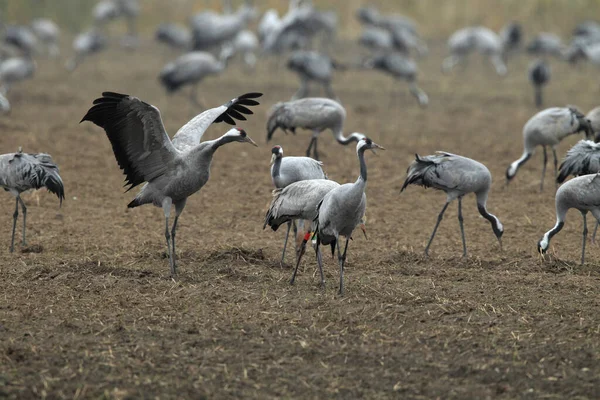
320	263
538	96
166	206
15	216
287	235
595	231
179	206
419	94
585	232
342	261
439	219
299	254
310	146
544	168
24	218
315	152
462	228
555	165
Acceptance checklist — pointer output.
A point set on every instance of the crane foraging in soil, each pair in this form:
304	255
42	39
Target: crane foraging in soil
20	172
581	193
173	169
548	128
457	176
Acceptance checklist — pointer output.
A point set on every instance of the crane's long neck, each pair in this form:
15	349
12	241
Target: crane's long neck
482	208
363	166
276	168
215	144
345	140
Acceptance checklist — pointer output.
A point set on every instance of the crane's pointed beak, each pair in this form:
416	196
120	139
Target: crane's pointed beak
252	142
273	158
376	146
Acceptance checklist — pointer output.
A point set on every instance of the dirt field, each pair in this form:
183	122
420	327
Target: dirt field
88	310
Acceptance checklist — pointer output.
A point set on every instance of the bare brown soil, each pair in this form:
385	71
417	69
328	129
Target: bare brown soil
88	310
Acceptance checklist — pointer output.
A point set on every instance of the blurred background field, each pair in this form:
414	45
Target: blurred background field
437	18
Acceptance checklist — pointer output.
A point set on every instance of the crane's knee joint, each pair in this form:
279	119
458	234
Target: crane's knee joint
15	214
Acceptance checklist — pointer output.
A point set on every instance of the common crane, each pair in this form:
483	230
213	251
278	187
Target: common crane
581	193
84	45
173	170
48	33
539	75
401	67
287	170
312	66
14	70
313	113
191	69
475	39
457	176
341	211
20	172
548	128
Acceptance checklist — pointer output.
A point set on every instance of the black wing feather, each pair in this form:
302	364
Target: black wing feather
235	108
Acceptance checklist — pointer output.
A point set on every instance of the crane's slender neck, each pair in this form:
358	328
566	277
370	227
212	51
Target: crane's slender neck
276	168
345	140
363	165
481	207
215	144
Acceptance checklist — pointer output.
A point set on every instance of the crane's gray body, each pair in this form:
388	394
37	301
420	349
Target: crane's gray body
475	39
342	210
294	169
581	193
297	201
312	66
457	176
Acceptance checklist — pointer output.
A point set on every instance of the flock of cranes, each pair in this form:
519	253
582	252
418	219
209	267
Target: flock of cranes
318	209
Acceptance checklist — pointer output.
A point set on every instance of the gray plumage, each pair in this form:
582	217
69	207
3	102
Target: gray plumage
191	69
288	170
545	44
300	24
84	45
539	76
312	113
475	39
14	70
548	128
457	176
174	35
48	33
21	37
173	170
401	67
594	117
210	30
20	172
312	66
106	11
581	193
375	38
581	159
341	211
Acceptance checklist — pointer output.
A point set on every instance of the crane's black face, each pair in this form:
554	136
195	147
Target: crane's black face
540	248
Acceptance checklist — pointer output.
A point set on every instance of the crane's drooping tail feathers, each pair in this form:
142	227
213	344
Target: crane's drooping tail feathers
274	121
44	173
416	172
272	211
581	159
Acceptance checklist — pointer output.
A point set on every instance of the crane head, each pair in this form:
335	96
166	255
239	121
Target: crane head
276	152
239	135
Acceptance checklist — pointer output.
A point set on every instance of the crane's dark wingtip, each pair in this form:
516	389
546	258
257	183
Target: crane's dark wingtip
251	95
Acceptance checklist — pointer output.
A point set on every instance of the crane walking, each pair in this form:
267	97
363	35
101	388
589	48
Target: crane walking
457	176
20	172
314	113
173	170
